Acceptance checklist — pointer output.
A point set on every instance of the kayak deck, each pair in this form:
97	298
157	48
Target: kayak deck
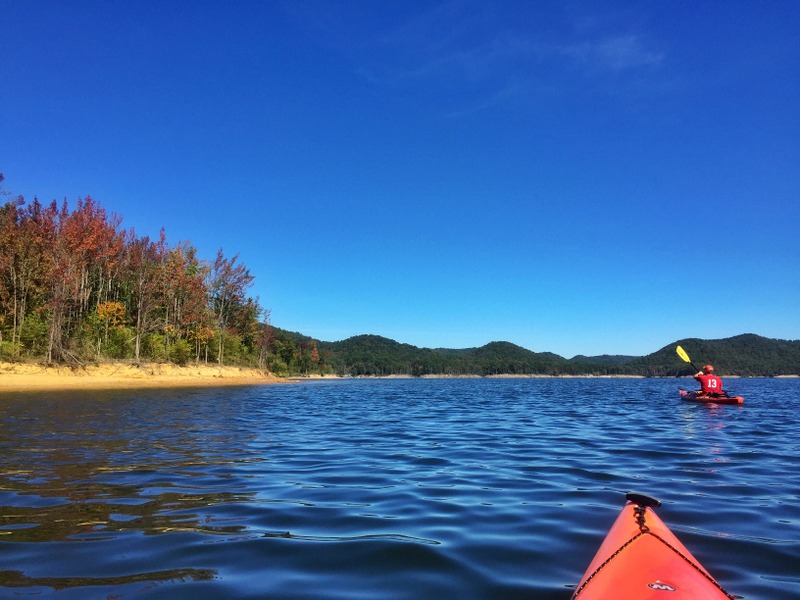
709	399
641	559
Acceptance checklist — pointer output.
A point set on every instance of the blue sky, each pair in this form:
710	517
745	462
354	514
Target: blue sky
445	174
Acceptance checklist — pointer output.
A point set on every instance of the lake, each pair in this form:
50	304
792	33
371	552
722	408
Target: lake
388	489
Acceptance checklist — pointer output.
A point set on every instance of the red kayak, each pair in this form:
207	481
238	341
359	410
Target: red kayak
641	559
710	398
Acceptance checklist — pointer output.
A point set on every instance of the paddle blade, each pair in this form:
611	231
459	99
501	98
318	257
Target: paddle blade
682	353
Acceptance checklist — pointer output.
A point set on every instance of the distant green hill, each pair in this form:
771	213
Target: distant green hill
746	355
375	355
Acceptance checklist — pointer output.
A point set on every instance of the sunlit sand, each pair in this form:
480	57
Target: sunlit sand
20	377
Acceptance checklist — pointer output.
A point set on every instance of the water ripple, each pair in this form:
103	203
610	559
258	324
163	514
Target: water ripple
387	489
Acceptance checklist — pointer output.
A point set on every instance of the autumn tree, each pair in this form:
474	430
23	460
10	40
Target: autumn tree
9	265
187	312
95	245
144	262
68	278
85	247
27	234
110	315
227	286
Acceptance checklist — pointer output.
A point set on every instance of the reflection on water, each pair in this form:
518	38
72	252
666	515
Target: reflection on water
15	579
387	489
98	510
90	467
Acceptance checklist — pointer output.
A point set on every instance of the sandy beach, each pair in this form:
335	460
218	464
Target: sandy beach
21	377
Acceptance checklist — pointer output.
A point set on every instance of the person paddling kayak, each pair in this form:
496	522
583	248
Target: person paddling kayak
709	383
711	386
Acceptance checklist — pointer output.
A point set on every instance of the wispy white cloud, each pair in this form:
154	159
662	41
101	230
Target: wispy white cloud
620	52
488	57
427	51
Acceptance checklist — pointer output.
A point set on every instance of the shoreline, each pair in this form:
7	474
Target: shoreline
25	377
30	377
442	376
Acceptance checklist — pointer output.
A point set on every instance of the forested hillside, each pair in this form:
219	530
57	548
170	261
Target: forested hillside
369	355
747	355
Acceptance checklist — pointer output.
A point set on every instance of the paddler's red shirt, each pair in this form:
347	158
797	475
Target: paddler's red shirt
709	384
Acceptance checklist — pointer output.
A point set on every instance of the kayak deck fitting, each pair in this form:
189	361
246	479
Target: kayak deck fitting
710	398
641	559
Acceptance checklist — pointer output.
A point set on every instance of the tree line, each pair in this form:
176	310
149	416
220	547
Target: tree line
75	287
746	355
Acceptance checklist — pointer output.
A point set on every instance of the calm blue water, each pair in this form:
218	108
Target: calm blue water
473	488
